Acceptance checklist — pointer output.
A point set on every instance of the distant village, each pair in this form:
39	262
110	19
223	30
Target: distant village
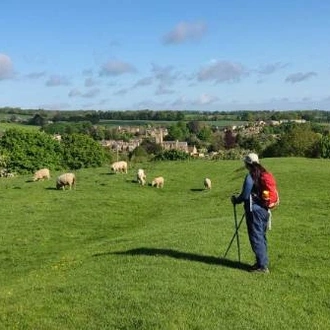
158	135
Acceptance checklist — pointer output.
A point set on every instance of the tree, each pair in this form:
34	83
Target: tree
299	140
249	143
205	134
195	126
28	151
178	131
139	155
37	120
152	148
217	142
229	139
325	146
81	151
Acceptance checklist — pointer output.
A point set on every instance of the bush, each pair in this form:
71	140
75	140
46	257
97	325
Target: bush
139	155
27	151
172	155
81	151
297	141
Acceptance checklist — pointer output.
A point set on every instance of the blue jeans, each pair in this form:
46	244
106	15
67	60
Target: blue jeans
256	222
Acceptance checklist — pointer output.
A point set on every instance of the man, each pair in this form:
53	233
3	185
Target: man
256	214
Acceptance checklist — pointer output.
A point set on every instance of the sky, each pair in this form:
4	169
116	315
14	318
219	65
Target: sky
211	55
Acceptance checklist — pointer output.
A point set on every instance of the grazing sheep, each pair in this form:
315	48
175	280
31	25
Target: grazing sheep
207	183
120	167
158	182
66	179
41	174
141	177
4	173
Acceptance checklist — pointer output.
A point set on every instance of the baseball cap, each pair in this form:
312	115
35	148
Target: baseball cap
251	158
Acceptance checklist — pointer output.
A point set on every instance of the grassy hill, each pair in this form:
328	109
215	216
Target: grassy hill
111	254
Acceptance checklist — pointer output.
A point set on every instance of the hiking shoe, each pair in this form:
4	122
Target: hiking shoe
261	270
254	267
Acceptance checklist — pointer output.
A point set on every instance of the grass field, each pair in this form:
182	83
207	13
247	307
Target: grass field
113	255
5	126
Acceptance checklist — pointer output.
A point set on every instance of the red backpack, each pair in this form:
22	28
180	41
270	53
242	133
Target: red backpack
267	190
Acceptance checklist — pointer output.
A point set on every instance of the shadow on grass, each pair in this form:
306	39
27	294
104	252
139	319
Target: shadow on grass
197	189
181	255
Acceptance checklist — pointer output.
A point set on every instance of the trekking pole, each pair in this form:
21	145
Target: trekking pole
236	234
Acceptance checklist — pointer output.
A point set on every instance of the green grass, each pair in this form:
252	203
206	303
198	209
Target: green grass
6	126
113	255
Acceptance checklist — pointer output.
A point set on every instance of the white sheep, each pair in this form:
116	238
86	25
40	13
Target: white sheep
120	167
66	179
158	182
41	174
141	177
207	183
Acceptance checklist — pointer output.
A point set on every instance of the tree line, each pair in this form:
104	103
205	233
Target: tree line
95	116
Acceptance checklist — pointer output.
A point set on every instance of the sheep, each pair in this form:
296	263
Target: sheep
141	177
207	183
4	173
41	174
120	167
66	179
158	182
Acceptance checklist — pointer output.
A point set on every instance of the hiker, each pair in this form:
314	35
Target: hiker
256	214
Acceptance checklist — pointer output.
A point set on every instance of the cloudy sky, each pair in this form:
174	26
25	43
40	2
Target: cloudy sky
181	55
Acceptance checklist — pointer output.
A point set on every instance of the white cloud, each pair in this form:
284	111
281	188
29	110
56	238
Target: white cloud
166	77
89	82
87	72
299	76
116	68
35	75
222	71
147	81
185	31
55	106
203	100
150	104
74	92
6	67
122	91
91	93
180	102
162	90
207	99
271	68
57	80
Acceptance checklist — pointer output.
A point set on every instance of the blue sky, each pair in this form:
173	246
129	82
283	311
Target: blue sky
163	55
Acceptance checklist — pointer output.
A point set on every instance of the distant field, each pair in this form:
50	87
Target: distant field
116	123
111	254
5	126
7	116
